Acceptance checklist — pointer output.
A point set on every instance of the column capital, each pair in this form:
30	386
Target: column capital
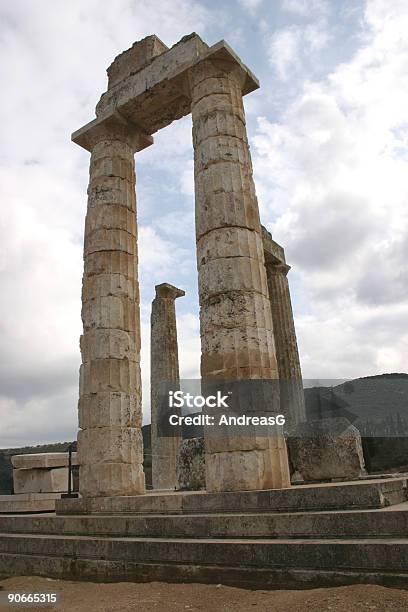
221	57
280	268
165	290
113	126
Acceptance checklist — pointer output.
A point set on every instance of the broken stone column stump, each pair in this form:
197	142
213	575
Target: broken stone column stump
292	400
327	449
164	371
191	465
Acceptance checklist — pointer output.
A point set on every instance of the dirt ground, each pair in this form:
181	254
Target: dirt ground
160	597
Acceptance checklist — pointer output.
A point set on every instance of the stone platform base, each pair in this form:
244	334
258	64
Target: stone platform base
28	502
372	493
307	536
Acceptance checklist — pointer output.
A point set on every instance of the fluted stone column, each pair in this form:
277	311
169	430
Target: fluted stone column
110	446
235	316
290	374
164	368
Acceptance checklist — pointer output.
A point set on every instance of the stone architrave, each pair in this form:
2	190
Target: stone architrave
237	339
110	446
287	354
164	369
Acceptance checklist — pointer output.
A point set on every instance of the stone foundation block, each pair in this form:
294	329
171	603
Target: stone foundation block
112	479
247	470
326	449
53	480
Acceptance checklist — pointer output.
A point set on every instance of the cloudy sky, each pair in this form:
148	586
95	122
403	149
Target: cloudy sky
329	139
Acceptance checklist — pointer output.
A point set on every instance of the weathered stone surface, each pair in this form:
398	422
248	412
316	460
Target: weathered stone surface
238	470
52	480
235	318
110	409
134	59
102	285
361	494
28	502
42	460
110	445
112	479
110	312
191	465
164	370
108	344
287	354
101	375
326	449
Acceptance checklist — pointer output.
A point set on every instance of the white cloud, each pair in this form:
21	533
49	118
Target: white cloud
288	47
305	8
250	5
331	175
284	49
57	54
332	180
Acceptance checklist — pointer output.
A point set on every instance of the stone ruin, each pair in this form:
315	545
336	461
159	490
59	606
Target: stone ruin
246	320
149	87
271	535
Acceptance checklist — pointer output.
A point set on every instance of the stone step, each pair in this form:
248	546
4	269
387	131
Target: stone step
99	570
28	502
331	496
338	524
380	556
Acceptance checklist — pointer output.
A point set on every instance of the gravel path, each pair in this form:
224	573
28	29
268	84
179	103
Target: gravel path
161	597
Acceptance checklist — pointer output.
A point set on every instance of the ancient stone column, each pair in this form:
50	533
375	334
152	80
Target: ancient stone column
164	369
110	447
235	316
287	354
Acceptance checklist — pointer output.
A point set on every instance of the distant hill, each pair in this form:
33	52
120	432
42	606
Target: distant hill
6	468
377	405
